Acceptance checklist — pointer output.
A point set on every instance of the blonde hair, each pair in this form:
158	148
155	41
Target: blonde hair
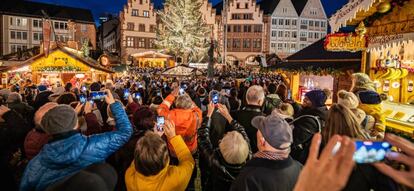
234	148
342	121
42	111
183	102
286	109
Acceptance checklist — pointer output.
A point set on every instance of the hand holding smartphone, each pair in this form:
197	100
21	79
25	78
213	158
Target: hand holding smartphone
215	98
160	123
371	151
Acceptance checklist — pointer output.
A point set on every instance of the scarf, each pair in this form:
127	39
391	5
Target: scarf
277	155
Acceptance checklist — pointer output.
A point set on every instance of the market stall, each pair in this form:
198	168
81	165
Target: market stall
388	26
152	59
61	65
182	71
316	68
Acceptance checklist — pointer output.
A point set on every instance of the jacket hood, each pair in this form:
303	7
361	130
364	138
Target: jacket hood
321	112
63	152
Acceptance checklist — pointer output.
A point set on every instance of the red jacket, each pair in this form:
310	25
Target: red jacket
186	121
34	142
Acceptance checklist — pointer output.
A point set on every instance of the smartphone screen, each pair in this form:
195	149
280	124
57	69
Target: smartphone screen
182	91
137	95
126	93
371	151
82	98
160	123
83	89
98	95
228	91
215	98
289	94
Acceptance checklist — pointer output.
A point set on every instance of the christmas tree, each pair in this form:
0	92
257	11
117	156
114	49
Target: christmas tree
182	31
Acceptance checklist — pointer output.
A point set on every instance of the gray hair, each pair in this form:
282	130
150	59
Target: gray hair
234	148
183	102
254	94
14	98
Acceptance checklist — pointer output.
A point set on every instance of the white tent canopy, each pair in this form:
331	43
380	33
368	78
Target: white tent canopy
182	71
150	54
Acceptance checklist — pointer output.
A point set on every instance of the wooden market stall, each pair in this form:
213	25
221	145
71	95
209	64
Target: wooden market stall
62	64
388	26
316	68
182	71
153	59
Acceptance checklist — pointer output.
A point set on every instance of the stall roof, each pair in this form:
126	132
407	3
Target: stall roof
182	70
315	56
150	54
8	65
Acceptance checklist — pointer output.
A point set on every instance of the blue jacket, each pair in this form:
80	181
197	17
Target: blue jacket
68	156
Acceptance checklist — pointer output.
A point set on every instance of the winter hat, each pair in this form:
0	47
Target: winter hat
362	81
359	114
275	130
369	97
317	97
42	88
59	119
348	99
95	87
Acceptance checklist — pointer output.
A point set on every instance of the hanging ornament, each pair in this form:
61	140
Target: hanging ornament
384	7
361	30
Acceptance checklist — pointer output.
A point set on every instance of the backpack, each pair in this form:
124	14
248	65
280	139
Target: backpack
269	105
302	137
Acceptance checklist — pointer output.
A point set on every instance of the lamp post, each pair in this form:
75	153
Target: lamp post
224	31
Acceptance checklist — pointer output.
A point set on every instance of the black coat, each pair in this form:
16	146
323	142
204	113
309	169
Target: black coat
263	174
221	174
304	129
244	117
365	177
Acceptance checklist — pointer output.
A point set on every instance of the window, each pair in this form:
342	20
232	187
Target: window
151	43
257	28
12	34
302	46
60	25
238	5
293	46
311	23
134	12
303	24
19	35
236	43
274	33
316	23
287	22
284	10
294	22
303	34
236	16
323	24
274	21
141	43
130	26
11	21
152	28
281	21
317	35
313	11
141	28
273	45
248	16
294	34
279	46
84	28
287	34
140	2
247	28
21	22
257	43
229	43
246	5
146	14
37	23
229	28
130	42
237	28
37	36
280	34
24	35
310	35
246	43
17	47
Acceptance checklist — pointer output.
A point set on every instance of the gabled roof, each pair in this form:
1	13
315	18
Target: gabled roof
268	6
34	9
12	65
299	5
315	56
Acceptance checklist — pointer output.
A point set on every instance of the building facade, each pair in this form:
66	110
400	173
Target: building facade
296	24
21	25
244	33
109	36
138	22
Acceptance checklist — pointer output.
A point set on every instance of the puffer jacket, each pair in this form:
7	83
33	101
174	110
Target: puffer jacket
186	122
73	152
221	173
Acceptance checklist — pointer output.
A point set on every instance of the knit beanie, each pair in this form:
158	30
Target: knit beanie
59	119
317	97
144	118
362	81
42	88
95	87
348	99
369	97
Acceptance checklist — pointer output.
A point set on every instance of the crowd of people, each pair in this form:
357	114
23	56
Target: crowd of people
148	132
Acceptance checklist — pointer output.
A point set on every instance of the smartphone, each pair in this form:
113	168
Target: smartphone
371	151
182	91
160	123
82	98
289	96
83	89
215	98
99	95
126	93
228	91
137	95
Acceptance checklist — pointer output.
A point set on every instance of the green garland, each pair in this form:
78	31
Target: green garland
308	71
59	69
400	133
